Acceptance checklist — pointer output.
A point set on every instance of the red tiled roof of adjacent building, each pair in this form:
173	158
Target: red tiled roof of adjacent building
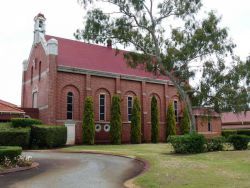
6	107
232	118
77	54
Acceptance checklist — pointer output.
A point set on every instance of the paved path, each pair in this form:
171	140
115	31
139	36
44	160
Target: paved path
60	170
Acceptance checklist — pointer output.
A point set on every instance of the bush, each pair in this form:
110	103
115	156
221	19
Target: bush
171	124
215	144
44	136
154	121
136	123
116	121
185	122
10	152
15	137
88	122
189	143
227	133
25	122
239	142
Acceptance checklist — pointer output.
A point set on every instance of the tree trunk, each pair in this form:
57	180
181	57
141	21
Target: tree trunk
186	99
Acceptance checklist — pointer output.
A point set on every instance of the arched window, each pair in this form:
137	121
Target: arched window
31	75
130	106
70	105
102	107
40	66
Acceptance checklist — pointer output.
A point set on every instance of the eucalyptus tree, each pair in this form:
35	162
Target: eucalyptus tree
166	35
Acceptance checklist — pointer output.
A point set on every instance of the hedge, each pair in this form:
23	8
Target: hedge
170	120
215	144
44	136
25	122
15	137
116	121
10	152
189	143
239	142
227	133
154	121
88	122
244	132
135	135
185	123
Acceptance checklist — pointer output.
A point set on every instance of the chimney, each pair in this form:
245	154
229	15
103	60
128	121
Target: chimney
109	43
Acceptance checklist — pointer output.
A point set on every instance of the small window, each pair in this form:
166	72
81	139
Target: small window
176	110
40	66
70	105
209	126
31	75
130	106
102	107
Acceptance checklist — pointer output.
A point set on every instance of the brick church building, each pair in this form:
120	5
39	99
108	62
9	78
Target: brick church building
60	73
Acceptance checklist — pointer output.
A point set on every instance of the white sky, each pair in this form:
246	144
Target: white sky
65	16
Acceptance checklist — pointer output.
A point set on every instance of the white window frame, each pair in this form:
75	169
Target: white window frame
176	111
104	107
35	99
72	106
128	107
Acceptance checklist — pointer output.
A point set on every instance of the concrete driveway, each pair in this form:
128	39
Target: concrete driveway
66	170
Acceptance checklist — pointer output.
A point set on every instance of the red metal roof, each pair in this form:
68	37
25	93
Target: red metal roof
230	117
6	107
77	54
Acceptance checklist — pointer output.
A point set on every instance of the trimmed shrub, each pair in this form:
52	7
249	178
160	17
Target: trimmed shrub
188	143
215	144
25	122
116	121
154	121
244	132
15	137
185	122
45	136
88	122
5	126
136	122
10	152
227	133
171	124
239	142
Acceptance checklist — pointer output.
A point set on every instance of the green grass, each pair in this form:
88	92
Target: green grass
215	169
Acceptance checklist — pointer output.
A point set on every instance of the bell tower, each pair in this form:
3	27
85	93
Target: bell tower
39	27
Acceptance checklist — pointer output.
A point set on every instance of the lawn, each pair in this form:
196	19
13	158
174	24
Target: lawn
214	169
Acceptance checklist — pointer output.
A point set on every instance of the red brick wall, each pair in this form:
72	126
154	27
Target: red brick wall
202	125
40	85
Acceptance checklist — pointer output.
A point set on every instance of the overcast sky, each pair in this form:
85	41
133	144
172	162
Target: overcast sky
65	16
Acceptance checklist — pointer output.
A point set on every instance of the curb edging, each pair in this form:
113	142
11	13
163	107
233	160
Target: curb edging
19	169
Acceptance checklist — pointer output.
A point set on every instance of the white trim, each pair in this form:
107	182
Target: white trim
104	106
76	70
